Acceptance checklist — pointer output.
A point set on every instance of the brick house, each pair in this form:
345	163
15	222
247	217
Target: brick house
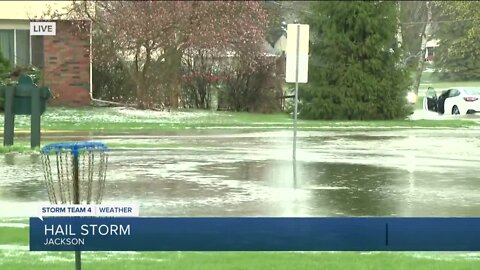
64	58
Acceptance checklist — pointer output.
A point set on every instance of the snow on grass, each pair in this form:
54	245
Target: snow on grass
16	252
13	248
162	114
446	256
49	258
14	225
437	256
114	119
117	115
20	252
340	126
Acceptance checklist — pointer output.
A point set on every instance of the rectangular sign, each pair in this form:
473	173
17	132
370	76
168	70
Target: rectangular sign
90	210
43	28
302	32
254	234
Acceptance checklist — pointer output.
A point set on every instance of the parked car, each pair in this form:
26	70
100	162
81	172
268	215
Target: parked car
456	100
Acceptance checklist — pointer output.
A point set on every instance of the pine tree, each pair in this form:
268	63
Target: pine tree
354	67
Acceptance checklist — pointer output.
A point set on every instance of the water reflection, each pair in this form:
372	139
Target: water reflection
377	174
10	158
295	178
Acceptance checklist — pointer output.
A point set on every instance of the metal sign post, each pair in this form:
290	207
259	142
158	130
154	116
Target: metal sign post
296	96
297	52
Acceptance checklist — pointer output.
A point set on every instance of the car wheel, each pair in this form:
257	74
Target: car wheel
455	110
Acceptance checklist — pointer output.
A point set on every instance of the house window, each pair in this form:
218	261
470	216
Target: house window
23	47
37	51
7	44
20	48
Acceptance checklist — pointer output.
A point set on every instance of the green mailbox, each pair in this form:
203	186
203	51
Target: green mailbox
23	98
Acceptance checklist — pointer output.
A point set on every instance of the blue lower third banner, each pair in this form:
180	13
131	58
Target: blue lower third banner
254	234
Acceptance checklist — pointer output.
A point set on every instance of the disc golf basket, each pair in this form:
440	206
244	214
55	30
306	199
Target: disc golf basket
75	173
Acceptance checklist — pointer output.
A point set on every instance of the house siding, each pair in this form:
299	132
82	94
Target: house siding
67	65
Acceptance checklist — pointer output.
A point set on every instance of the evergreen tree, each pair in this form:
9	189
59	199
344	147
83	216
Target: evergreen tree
354	67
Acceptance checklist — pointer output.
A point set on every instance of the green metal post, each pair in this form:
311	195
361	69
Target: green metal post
9	120
35	118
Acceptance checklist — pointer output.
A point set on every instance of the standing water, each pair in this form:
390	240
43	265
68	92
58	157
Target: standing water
375	173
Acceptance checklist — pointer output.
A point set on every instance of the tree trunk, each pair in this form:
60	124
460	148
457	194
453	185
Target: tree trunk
173	60
141	97
427	32
399	28
140	90
174	94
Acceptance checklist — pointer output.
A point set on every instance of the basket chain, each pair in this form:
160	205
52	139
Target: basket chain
92	176
101	175
67	176
60	177
91	157
47	172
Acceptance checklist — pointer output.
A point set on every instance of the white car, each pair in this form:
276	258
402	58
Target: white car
455	100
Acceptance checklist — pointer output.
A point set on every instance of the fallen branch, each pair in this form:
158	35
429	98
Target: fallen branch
118	104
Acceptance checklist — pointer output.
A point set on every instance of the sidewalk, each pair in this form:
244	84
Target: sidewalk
420	114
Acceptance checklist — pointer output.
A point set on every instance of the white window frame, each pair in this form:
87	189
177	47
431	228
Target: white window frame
15	57
15	47
30	48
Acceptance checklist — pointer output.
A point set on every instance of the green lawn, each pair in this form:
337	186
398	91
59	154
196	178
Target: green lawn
231	260
429	80
87	121
93	120
14	255
440	86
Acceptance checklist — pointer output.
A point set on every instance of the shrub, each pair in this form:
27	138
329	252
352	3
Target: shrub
112	82
252	90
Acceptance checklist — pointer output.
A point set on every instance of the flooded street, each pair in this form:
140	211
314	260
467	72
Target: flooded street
411	172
